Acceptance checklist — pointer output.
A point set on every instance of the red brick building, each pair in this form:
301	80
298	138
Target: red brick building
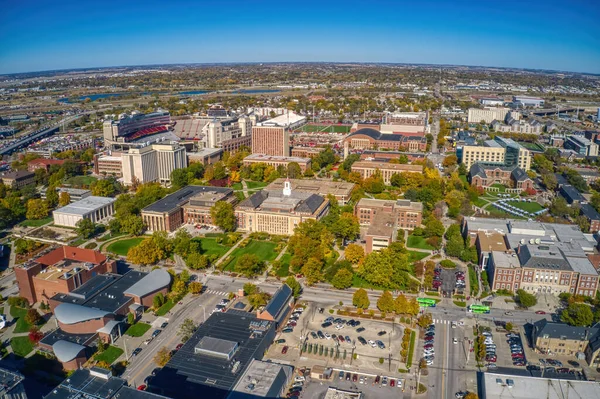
270	140
371	139
43	163
487	175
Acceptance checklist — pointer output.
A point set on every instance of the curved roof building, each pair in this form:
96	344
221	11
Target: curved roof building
69	313
66	351
152	282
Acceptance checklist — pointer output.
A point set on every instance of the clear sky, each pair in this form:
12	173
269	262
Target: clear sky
38	35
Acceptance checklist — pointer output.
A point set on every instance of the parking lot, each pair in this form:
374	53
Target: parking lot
317	389
360	340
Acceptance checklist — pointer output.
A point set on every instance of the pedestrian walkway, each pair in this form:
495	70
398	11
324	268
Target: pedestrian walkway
214	292
442	321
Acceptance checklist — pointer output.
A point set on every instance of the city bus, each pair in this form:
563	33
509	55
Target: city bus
479	309
426	302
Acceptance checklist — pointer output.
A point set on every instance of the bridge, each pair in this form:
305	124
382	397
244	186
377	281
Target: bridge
553	111
37	135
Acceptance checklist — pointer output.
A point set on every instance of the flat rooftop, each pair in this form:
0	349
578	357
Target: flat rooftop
87	383
321	187
9	384
500	386
85	205
59	335
274	158
388	166
180	197
192	375
262	380
383	225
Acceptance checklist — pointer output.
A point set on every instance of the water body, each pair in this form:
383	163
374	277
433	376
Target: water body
193	92
92	97
256	91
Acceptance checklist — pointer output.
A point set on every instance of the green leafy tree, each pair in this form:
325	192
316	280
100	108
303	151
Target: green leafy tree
249	265
85	228
145	253
64	199
577	314
103	188
36	209
195	287
434	228
385	303
51	197
526	299
360	299
354	253
294	171
187	329
223	216
180	178
294	285
342	279
32	317
250	289
196	261
401	304
312	271
133	225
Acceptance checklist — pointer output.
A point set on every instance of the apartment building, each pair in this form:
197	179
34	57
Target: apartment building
18	179
109	164
271	140
561	339
581	146
371	139
276	161
153	163
279	212
500	151
488	114
367	168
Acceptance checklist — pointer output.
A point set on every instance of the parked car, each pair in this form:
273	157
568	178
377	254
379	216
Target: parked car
287	330
326	324
354	377
314	335
156	333
341	375
136	351
360	329
141	387
284	350
179	346
540	312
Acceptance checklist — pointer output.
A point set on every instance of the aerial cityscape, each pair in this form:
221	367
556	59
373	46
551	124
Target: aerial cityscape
403	207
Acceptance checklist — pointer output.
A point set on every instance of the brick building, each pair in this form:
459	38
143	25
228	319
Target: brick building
368	168
43	163
60	270
108	165
482	175
371	139
18	179
276	161
270	140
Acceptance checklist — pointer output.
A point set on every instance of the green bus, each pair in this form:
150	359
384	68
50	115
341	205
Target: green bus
479	309
426	302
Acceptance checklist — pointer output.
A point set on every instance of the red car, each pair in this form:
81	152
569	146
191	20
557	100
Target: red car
179	346
392	383
540	312
284	350
354	377
141	388
428	346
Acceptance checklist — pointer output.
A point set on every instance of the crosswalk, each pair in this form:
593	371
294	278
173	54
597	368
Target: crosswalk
214	292
442	321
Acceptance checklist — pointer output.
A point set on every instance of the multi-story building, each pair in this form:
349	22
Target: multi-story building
560	339
135	126
518	126
279	212
581	146
371	139
488	114
153	163
190	204
482	175
109	164
205	156
93	208
75	194
59	270
18	179
341	190
500	151
43	163
384	218
592	216
276	161
525	101
305	152
368	168
270	140
219	133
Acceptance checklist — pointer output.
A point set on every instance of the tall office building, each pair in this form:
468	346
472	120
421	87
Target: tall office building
488	114
153	163
273	141
500	151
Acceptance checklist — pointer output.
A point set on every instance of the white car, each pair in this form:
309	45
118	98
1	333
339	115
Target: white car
299	378
327	336
454	341
372	343
297	384
429	362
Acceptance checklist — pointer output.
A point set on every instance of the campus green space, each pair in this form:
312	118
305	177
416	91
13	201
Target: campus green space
265	250
21	346
109	355
21	326
165	308
81	181
311	128
256	184
121	247
418	242
284	268
36	223
530	207
414	256
138	329
209	246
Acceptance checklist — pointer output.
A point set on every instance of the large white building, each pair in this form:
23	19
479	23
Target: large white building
153	163
130	127
94	208
525	101
488	114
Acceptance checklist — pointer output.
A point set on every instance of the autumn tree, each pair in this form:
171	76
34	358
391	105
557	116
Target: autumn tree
424	320
145	253
32	317
312	271
162	357
187	329
51	197
64	199
354	253
133	225
249	265
195	287
294	285
196	261
35	335
103	188
360	299
401	304
385	303
342	279
36	209
223	216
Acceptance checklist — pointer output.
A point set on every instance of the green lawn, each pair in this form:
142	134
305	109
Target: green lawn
480	202
36	223
265	250
418	242
138	329
411	348
325	128
21	326
110	236
463	178
414	256
78	242
21	346
460	304
109	355
209	246
527	206
164	309
239	195
284	270
256	184
500	186
237	186
359	282
121	247
81	181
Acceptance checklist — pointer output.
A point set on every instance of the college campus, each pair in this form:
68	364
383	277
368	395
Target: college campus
178	225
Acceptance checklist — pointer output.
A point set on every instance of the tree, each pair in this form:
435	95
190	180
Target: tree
346	227
36	209
360	299
145	253
294	171
249	265
342	279
312	271
354	253
471	395
195	287
385	303
64	199
509	326
424	320
250	289
450	160
162	357
526	299
223	216
434	228
35	335
130	318
577	314
401	304
85	228
196	261
187	329
32	317
51	197
103	188
158	300
294	285
133	225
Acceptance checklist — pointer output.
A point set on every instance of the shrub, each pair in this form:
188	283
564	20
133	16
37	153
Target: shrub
18	301
381	360
448	264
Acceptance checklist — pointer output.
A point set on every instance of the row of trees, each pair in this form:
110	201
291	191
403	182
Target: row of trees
386	303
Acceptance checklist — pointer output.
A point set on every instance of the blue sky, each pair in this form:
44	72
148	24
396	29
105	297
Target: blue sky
38	35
